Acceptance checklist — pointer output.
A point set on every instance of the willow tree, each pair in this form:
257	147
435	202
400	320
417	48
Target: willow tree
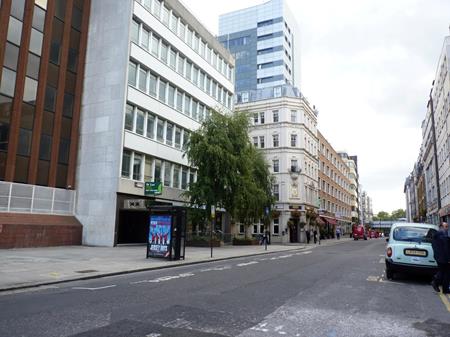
231	173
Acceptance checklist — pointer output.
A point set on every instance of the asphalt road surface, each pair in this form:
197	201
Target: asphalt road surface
331	291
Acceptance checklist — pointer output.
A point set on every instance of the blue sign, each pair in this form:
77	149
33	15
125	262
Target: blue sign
159	235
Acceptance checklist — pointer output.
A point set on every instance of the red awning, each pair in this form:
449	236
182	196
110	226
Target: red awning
331	221
320	221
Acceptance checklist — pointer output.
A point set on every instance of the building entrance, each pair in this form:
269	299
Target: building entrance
293	231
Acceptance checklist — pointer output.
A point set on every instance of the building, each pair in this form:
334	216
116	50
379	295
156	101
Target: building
42	53
440	103
366	213
284	127
153	73
354	185
334	189
432	169
264	40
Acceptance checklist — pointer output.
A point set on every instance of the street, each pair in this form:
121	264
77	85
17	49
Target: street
331	291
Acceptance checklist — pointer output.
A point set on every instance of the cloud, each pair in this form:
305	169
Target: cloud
368	66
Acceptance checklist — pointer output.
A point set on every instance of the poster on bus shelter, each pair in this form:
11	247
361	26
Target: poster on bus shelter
159	235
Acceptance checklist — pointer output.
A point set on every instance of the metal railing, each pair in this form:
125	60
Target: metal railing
23	198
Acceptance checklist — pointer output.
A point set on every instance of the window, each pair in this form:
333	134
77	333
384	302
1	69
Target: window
162	91
24	145
195	71
150	126
14	31
12	56
132	74
276	192
155	45
167	173
275	116
33	65
143	80
160	130
194	109
184	175
164	52
177	137
188	70
50	97
8	82
126	161
293	116
261	117
176	176
169	134
276	226
148	168
185	141
261	142
244	97
173	23
145	38
153	84
293	140
275	139
255	118
158	168
135	32
165	15
187	105
255	141
180	67
171	96
276	165
241	229
294	165
30	91
179	101
129	117
277	92
137	167
172	59
140	119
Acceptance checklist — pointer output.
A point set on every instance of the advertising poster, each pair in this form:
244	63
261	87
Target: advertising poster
159	235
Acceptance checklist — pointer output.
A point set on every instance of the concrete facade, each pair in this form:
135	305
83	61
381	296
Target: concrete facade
153	73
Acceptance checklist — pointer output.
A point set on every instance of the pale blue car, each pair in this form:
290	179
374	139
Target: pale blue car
409	249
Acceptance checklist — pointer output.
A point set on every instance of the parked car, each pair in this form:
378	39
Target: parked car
409	249
359	232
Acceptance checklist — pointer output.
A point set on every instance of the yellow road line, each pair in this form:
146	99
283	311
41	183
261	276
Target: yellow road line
445	301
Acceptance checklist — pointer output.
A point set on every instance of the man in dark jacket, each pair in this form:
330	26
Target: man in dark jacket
440	244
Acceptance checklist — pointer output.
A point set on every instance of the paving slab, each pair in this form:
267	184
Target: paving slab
30	267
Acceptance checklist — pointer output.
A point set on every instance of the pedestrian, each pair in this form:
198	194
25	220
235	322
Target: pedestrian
308	236
315	236
441	250
338	233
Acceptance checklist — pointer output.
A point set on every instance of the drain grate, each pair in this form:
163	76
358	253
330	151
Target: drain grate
86	271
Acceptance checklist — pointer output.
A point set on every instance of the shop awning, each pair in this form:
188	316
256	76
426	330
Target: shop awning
320	221
331	221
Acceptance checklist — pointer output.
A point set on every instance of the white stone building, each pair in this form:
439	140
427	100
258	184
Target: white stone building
153	72
353	177
284	126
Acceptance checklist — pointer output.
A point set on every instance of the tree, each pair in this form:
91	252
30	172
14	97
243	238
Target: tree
397	214
382	215
231	173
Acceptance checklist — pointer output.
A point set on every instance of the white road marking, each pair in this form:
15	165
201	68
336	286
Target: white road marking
154	335
215	269
92	289
165	278
260	327
373	278
247	263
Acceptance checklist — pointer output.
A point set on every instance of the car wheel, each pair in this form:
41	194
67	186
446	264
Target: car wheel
389	274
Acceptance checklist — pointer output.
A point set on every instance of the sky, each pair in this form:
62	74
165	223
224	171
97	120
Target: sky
367	66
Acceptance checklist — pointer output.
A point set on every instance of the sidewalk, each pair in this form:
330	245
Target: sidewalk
30	267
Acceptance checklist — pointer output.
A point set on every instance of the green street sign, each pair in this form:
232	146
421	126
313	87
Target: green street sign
153	187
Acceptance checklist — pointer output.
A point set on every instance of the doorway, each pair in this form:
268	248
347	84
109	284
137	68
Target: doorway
293	231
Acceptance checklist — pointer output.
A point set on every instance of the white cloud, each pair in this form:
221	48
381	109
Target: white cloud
368	66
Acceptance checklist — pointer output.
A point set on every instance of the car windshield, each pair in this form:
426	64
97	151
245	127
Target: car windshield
415	234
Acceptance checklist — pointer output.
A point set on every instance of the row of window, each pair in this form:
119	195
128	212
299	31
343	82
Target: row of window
259	141
145	168
260	228
178	62
188	35
154	127
166	92
334	208
334	192
335	176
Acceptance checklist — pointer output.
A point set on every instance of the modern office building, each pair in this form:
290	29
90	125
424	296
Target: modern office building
265	42
284	127
42	58
334	189
153	73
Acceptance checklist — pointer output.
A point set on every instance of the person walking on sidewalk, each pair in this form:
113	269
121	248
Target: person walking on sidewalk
308	236
315	236
441	250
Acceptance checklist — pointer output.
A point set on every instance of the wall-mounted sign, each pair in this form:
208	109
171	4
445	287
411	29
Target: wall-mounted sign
153	187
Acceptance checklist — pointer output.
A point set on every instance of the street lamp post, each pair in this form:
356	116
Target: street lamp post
213	218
